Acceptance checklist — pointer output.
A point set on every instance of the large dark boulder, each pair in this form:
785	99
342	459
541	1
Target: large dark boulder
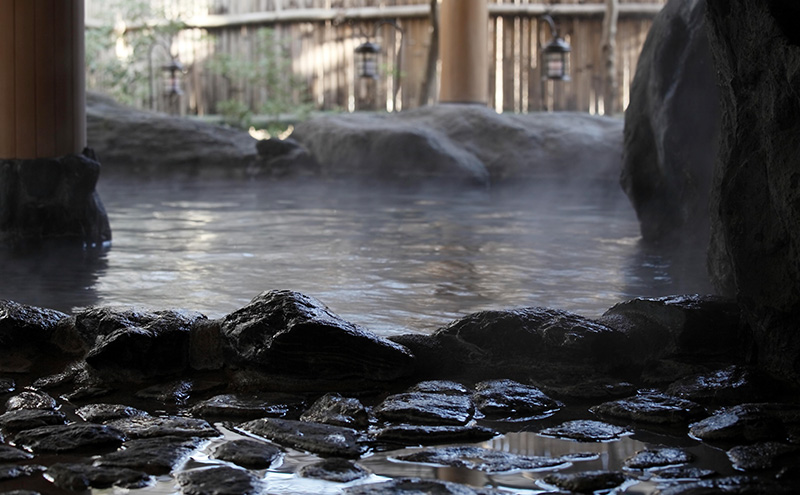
291	334
671	126
755	206
52	199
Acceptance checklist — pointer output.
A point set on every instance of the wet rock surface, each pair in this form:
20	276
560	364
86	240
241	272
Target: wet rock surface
248	453
231	426
651	407
290	333
586	431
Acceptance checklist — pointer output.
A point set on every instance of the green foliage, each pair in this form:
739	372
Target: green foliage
118	54
269	70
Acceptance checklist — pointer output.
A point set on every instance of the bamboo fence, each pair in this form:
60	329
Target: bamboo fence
321	36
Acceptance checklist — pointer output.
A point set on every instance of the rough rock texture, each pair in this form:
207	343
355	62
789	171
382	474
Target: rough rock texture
671	126
54	199
136	141
292	334
755	205
464	143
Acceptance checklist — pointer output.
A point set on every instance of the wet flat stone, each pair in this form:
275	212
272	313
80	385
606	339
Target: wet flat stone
683	473
14	471
654	408
79	477
248	406
742	423
732	485
426	408
9	454
158	455
481	459
327	440
334	469
151	426
759	456
102	413
586	481
175	392
223	480
586	431
645	459
412	486
26	419
30	399
69	438
333	409
507	399
250	454
725	386
410	435
447	387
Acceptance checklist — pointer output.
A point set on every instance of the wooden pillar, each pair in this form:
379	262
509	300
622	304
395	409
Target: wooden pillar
464	26
42	80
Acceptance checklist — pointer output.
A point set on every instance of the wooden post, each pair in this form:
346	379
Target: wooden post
464	26
609	55
42	86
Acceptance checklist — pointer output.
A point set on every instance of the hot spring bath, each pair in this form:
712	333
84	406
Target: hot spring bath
394	261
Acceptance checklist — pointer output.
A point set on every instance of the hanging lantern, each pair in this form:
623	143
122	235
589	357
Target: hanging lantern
173	71
555	56
367	59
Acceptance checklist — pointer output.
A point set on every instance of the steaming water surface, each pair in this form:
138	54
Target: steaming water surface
393	261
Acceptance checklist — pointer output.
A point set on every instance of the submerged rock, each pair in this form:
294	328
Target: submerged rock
586	431
70	438
333	409
586	481
412	486
79	477
288	333
759	456
486	460
510	400
651	407
7	385
334	469
251	454
220	480
326	440
156	456
11	471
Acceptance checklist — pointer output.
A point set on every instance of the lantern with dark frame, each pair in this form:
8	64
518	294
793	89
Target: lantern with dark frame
555	55
367	59
172	69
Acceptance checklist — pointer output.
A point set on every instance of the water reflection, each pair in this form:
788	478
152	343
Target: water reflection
393	261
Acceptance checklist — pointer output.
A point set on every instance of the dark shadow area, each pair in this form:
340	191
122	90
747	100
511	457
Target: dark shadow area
54	276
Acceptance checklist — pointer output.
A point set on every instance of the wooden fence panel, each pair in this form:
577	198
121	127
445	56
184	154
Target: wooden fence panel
321	47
